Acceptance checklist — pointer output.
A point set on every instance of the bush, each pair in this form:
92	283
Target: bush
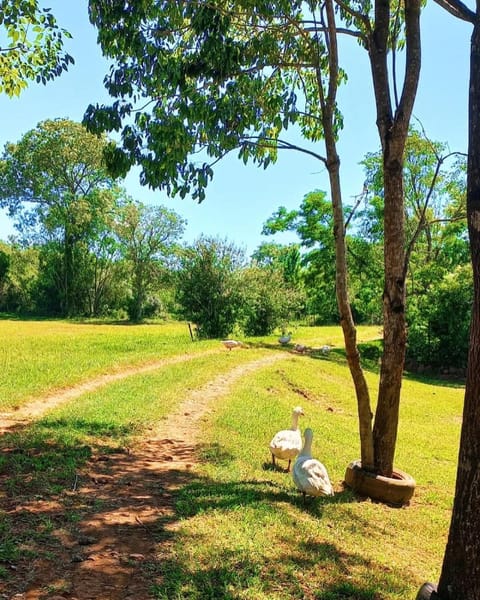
438	335
209	288
268	301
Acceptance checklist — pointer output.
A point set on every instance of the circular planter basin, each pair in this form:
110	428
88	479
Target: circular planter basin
428	591
396	490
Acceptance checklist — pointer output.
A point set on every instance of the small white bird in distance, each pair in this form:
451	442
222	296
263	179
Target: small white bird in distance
285	338
232	344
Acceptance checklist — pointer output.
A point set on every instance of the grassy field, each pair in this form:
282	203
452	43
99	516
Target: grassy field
242	529
43	355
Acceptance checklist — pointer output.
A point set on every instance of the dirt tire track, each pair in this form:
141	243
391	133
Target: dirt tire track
51	399
119	547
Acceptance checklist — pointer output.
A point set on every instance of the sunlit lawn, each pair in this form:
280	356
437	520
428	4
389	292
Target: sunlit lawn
39	355
267	544
243	529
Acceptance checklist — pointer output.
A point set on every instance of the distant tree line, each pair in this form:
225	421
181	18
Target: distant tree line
85	249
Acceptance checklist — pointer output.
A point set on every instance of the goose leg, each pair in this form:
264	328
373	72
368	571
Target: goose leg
288	468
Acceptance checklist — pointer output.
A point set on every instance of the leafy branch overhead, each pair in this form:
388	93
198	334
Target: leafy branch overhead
195	81
31	47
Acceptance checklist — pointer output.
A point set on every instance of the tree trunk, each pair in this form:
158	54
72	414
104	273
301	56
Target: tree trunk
341	271
346	318
393	131
138	292
68	273
460	576
394	332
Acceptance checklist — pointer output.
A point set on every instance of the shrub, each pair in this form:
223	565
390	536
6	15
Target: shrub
268	301
439	325
209	288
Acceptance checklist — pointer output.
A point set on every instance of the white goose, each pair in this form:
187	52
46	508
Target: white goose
286	444
309	475
232	344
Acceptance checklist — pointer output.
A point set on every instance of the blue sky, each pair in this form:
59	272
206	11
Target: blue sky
241	198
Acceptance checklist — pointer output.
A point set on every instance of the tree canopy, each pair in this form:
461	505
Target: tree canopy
217	78
147	236
32	49
55	185
52	177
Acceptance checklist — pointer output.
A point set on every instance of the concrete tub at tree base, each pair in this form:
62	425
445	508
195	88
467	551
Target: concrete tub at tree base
396	490
428	591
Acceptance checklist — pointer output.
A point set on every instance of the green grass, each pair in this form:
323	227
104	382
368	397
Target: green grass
242	531
43	355
44	457
334	548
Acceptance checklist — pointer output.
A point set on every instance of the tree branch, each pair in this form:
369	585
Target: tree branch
412	63
342	30
421	219
358	198
458	9
281	145
11	48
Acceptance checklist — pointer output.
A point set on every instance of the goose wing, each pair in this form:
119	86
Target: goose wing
287	439
312	478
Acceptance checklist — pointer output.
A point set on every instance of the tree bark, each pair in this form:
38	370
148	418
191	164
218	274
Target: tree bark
341	271
393	131
138	291
460	576
394	331
68	273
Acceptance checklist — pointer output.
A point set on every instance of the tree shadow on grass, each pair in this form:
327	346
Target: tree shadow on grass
87	534
255	490
33	463
203	495
45	457
86	516
85	427
296	570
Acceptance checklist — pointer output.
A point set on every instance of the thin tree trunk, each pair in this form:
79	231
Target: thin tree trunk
460	576
341	272
68	274
138	291
348	326
393	131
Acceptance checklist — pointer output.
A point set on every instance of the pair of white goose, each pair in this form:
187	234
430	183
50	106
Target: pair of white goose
309	475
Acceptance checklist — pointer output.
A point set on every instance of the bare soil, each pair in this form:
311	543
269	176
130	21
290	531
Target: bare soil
127	503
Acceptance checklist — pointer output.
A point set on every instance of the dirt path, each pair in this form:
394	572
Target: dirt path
36	408
115	552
